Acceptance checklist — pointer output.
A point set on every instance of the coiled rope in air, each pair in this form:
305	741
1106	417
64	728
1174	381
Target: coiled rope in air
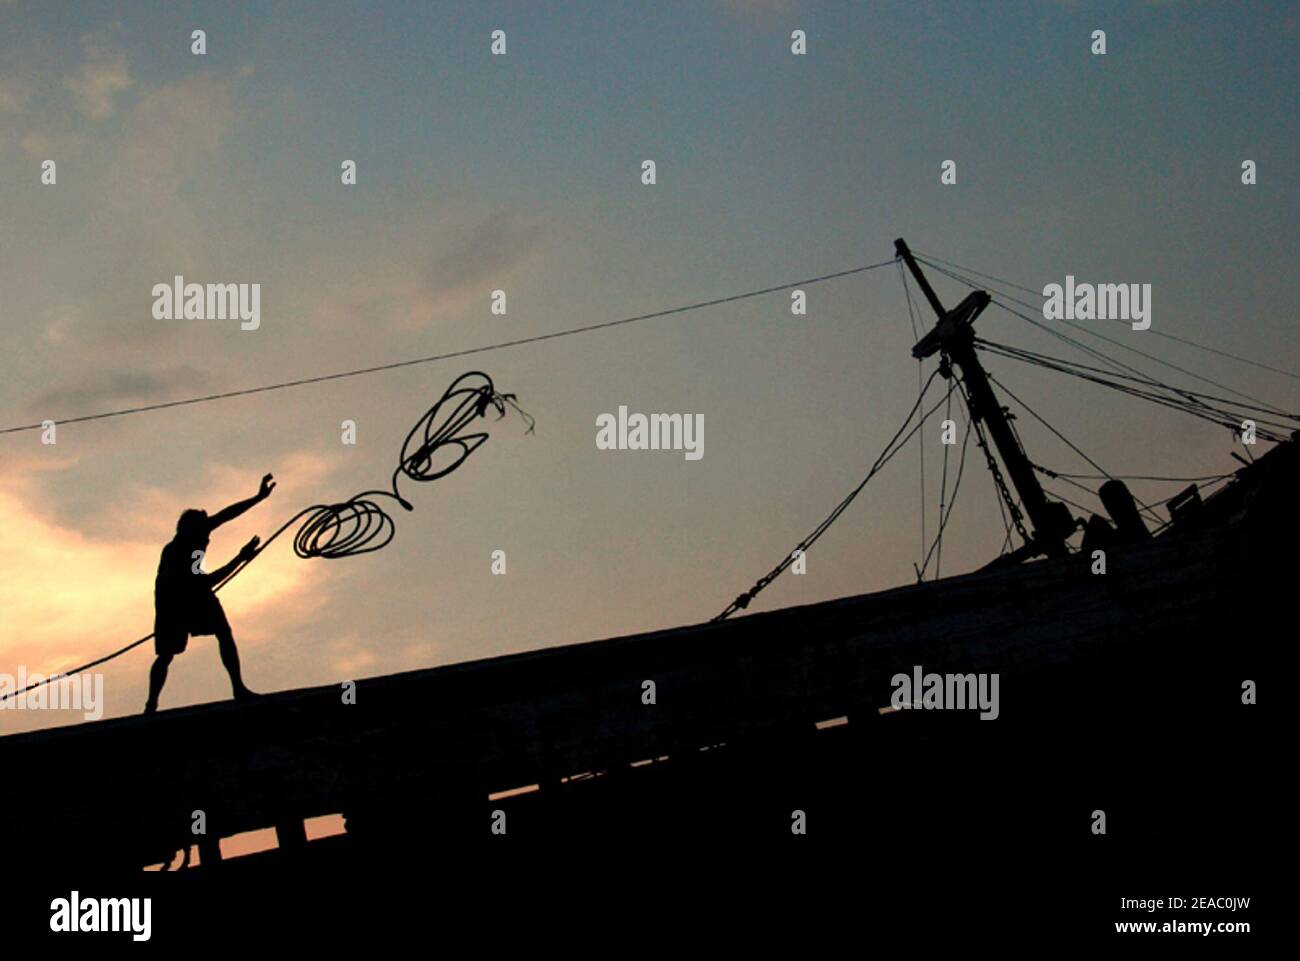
360	525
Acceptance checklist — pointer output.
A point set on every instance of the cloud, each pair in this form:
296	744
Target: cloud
483	253
145	214
117	387
349	657
471	264
178	123
103	75
68	596
58	587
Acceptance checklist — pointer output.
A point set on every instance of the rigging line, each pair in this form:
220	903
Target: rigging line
907	291
1193	403
937	547
1014	507
1148	509
1076	344
999	484
359	525
1221	353
1042	420
1006	523
1073	447
1022	353
1157	360
1158	333
972	270
1203	489
1072	483
1136	477
896	443
1076	506
1118	365
1035	307
339	375
1006	544
1075	369
1202	411
943	493
1110	340
916	336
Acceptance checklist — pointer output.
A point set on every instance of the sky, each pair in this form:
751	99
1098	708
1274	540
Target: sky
522	173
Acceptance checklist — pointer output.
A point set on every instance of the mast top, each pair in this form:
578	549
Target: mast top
954	336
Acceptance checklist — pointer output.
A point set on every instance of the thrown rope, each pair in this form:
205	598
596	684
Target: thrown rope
360	525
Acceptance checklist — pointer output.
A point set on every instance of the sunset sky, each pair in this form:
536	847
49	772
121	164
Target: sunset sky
522	173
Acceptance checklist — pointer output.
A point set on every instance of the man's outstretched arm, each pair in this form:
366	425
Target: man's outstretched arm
234	510
246	553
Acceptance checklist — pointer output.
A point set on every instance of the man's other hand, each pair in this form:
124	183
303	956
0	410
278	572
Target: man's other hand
249	550
268	485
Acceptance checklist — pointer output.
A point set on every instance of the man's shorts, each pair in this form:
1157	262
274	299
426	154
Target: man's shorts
172	634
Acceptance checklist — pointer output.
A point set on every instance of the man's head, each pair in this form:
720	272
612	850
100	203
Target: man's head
192	527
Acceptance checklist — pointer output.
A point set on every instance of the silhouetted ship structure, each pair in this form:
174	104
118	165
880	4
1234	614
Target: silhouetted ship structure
1119	691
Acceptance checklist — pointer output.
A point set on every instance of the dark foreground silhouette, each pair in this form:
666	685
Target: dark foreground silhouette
184	602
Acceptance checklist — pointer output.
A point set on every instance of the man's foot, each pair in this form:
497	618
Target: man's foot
244	694
150	707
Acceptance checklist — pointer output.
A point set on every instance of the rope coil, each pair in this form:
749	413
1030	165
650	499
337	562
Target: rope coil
360	525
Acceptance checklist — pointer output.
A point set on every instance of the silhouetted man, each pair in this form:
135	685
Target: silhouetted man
184	602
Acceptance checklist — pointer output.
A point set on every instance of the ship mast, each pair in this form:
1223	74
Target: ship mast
954	338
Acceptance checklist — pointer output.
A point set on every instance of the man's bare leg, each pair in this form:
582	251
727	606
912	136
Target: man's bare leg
230	658
157	678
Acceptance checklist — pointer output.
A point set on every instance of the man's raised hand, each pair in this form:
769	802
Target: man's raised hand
268	485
